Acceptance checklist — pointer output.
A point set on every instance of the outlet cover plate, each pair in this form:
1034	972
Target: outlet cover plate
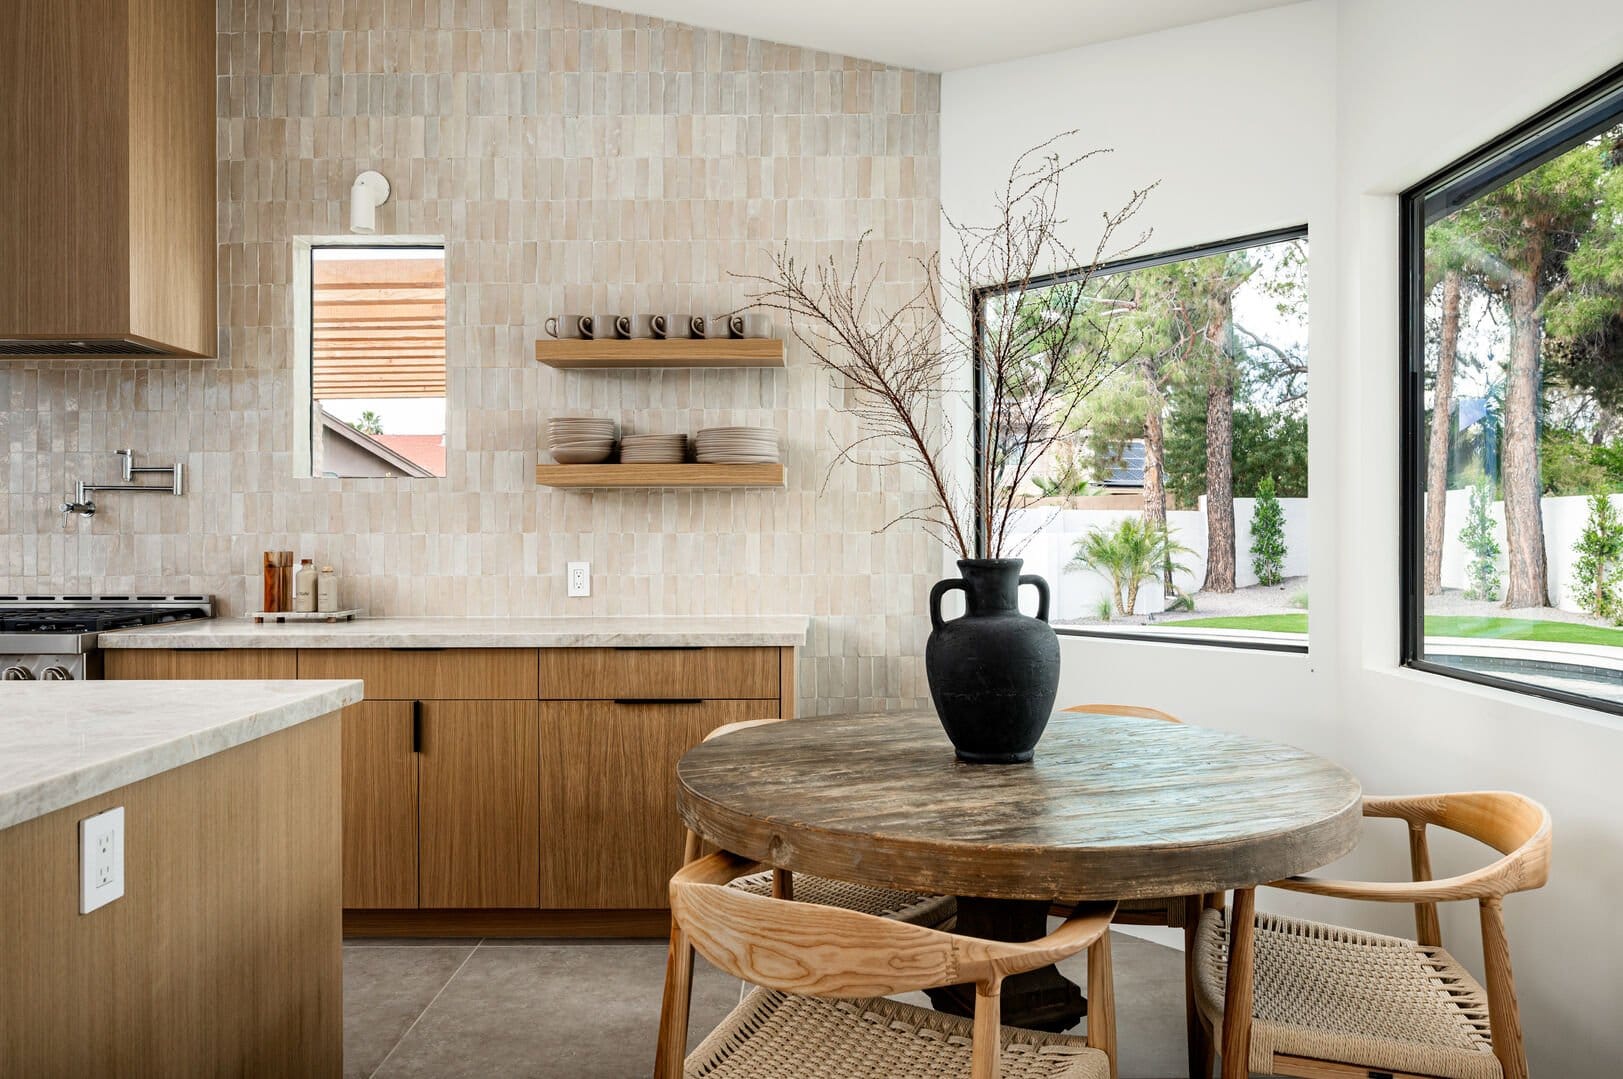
580	578
101	859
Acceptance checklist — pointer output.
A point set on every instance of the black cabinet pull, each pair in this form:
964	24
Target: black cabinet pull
416	726
659	700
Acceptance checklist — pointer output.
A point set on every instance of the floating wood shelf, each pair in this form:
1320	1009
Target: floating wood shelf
684	475
676	352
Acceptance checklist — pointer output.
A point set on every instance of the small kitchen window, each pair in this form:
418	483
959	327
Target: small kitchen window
370	322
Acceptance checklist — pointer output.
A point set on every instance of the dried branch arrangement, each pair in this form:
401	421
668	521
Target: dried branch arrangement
1046	332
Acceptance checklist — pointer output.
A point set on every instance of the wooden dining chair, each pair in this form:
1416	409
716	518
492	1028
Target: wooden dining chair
919	909
823	975
1329	1001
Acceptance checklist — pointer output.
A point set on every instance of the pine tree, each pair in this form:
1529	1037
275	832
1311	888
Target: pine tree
1268	535
1482	576
1600	562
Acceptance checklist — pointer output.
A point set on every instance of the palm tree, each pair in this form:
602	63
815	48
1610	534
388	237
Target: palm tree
370	423
1134	552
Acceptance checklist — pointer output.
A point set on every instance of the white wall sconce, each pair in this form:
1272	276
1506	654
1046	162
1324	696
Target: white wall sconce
370	190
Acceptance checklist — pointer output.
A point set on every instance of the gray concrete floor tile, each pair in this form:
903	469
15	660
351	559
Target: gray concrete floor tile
385	990
590	1010
585	1011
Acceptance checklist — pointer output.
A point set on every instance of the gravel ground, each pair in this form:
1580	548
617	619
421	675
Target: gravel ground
1258	599
1453	601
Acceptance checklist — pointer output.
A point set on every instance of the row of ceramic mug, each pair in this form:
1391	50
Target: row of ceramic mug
659	327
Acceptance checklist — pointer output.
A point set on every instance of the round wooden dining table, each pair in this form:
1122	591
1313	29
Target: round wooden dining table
1112	807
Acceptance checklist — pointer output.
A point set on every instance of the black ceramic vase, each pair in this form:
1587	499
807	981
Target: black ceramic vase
994	672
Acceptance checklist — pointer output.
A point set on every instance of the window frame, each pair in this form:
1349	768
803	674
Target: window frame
1547	134
979	296
301	283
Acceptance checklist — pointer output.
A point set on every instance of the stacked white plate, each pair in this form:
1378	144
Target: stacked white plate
580	440
737	446
653	449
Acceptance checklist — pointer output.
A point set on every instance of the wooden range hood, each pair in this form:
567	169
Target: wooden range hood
107	194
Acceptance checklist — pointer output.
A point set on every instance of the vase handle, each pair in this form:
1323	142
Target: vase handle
1042	593
941	589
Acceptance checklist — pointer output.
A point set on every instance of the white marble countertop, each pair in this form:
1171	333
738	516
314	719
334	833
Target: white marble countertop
63	742
556	632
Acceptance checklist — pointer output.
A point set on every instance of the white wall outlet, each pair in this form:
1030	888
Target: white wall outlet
101	859
580	578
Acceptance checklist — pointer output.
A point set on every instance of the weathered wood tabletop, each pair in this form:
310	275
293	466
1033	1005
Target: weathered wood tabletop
1112	807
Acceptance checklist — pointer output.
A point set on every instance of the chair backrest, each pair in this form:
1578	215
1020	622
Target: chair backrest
823	951
1512	824
1138	711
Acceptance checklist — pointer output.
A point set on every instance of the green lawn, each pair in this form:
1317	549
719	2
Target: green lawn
1504	629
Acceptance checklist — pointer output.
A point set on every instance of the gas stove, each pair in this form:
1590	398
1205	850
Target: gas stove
54	638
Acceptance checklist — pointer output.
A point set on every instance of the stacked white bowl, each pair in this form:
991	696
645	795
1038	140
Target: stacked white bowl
737	446
580	440
653	449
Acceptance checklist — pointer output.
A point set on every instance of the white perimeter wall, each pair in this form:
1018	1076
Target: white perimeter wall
1322	112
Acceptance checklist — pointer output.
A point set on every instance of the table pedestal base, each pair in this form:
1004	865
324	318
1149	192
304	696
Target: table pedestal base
1043	999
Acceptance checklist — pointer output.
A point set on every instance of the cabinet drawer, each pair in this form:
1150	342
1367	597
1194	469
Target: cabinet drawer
405	674
204	663
584	674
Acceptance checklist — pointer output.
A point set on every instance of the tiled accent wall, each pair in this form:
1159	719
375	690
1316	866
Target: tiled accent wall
574	158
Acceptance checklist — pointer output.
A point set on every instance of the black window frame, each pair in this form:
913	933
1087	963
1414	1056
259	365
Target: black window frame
1547	134
982	293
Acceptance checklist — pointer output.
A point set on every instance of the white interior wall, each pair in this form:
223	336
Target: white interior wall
1322	112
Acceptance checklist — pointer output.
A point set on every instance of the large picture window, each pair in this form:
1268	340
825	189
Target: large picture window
1176	506
1513	409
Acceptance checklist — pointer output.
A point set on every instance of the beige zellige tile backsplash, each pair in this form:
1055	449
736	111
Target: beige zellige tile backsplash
574	158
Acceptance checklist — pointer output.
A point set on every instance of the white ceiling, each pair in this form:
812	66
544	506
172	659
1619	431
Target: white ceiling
940	35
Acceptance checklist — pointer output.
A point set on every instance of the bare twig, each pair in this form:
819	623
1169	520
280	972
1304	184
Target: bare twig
1045	331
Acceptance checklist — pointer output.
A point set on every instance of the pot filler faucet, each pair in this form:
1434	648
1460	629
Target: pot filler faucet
85	506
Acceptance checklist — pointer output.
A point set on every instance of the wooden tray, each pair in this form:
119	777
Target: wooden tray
306	616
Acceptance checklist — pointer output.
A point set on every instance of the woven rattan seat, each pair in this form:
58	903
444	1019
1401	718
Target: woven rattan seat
930	910
1330	993
773	1035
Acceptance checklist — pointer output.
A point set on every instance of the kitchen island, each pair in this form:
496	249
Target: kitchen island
221	956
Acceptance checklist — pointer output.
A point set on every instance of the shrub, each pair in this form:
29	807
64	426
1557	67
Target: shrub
1182	602
1103	609
1596	574
1482	575
1299	598
1268	535
1133	552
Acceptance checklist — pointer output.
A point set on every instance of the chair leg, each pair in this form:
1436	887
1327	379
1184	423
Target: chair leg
1102	1000
985	1048
1237	991
783	884
671	1053
1504	1016
1200	1042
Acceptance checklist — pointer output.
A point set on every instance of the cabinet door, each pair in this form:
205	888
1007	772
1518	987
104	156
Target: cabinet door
610	836
380	806
477	780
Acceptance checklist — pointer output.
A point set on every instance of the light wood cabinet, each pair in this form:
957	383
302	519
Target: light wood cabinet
527	783
203	663
610	836
380	806
478	777
107	197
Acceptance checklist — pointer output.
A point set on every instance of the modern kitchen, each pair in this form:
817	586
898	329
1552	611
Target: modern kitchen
545	539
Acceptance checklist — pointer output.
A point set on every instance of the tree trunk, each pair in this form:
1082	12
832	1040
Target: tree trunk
1527	580
1219	454
1155	492
1442	415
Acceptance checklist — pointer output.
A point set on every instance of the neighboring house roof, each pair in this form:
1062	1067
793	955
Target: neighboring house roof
1128	469
426	450
391	460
